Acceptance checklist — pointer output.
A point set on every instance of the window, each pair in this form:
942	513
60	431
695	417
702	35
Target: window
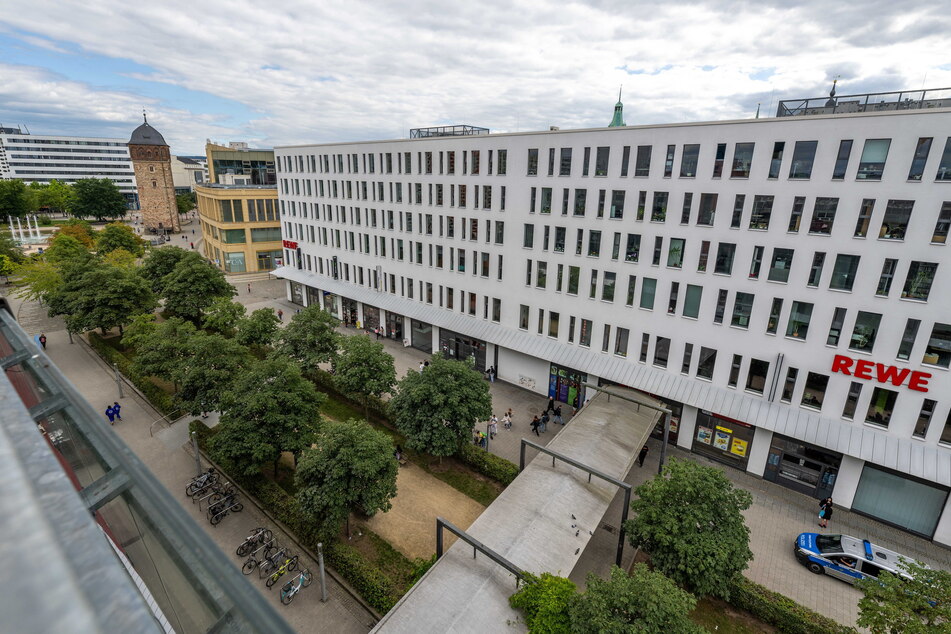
233	236
724	261
607	289
503	162
895	221
790	385
581	199
658	248
528	267
594	243
593	289
842	160
645	343
633	248
852	400
641	203
865	217
574	274
881	406
708	209
669	161
944	168
735	370
815	390
648	290
706	363
560	237
564	169
823	215
692	301
795	215
571	330
661	352
737	218
546	200
775	312
620	342
522	312
803	157
721	307
601	161
584	338
551	161
688	353
617	203
675	253
872	163
815	272
940	235
798	324
601	193
659	209
704	254
762	210
885	280
777	159
685	210
553	324
541	275
865	331
642	162
938	351
560	278
625	160
541	315
631	285
688	161
756	375
922	148
919	280
782	262
908	339
742	159
718	161
672	302
532	162
742	309
843	273
835	330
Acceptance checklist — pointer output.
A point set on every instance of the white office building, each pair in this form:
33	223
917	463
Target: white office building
776	281
42	158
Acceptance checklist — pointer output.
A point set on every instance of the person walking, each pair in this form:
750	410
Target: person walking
506	421
535	424
544	422
376	331
43	340
422	366
557	419
493	427
825	512
492	374
642	455
192	244
111	414
249	289
116	408
280	314
551	404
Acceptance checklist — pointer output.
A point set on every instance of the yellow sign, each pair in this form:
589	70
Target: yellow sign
729	431
739	447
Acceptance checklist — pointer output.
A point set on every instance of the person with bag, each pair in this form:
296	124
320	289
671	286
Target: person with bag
825	512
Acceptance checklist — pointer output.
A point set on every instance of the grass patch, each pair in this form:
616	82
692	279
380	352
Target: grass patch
338	410
472	485
718	616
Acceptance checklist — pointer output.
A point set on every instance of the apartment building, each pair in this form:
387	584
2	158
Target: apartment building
776	281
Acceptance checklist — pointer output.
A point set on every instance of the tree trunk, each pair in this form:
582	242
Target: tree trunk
348	527
121	332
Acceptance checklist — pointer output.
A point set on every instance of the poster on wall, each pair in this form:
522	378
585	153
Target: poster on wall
674	424
738	447
721	441
704	435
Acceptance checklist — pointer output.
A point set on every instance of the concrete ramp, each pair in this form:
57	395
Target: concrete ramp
530	524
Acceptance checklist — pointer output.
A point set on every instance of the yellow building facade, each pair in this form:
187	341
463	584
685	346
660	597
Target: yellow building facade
241	226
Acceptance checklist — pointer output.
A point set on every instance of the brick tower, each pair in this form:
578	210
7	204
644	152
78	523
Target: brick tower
152	164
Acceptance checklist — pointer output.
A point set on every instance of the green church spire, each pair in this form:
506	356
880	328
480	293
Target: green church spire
618	120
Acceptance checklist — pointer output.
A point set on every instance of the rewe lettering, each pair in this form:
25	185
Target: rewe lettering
871	371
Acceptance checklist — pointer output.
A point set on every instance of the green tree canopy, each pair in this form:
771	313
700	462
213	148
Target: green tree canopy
895	605
310	338
159	348
222	316
55	196
64	248
158	263
15	199
545	601
117	235
259	328
79	229
6	266
185	202
689	519
437	408
97	198
9	248
103	297
192	286
351	467
364	368
38	280
120	258
207	370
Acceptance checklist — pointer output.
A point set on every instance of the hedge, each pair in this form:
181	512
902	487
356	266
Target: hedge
781	611
488	464
156	395
325	382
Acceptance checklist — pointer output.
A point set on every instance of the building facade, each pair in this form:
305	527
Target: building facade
186	173
43	158
775	281
152	163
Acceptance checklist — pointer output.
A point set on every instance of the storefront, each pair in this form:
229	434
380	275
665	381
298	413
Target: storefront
676	411
723	439
567	385
460	347
802	467
330	304
349	308
313	296
909	503
297	293
371	317
394	326
422	336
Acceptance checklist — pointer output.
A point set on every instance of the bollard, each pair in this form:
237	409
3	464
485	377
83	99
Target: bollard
323	579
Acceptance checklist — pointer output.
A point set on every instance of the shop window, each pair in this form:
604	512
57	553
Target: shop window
835	330
895	220
776	161
756	375
706	363
708	209
688	161
661	352
775	312
795	214
742	160
803	156
938	350
675	253
799	317
692	301
843	273
234	262
761	212
742	309
842	160
642	161
718	160
815	390
919	280
865	331
865	217
688	353
881	406
885	279
724	262
872	163
924	418
645	343
908	339
823	216
735	370
782	262
648	290
790	385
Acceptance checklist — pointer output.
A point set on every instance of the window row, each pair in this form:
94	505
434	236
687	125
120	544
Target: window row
425	163
439	194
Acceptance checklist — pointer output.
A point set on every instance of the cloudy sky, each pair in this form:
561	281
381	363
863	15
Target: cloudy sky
294	71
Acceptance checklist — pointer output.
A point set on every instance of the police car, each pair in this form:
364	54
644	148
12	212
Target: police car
844	557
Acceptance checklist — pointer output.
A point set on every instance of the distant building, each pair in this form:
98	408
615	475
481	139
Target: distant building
152	163
186	173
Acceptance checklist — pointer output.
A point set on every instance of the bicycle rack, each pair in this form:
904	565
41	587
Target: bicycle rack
255	551
224	512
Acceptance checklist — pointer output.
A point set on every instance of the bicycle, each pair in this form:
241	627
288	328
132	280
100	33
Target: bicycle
267	551
290	589
201	482
218	510
269	563
288	566
259	536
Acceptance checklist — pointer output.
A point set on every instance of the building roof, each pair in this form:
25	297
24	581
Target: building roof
187	161
146	135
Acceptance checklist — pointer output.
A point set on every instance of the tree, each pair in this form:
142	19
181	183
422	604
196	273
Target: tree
436	408
364	368
64	248
689	519
160	262
15	199
38	280
545	601
351	467
98	198
222	316
643	601
11	249
269	409
79	229
259	328
117	235
159	348
103	297
6	267
896	605
185	202
310	338
192	286
55	196
207	370
120	258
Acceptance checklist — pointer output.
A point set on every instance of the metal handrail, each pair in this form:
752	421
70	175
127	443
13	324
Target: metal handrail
666	413
520	575
170	423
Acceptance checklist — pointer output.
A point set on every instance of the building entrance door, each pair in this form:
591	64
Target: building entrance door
567	385
802	467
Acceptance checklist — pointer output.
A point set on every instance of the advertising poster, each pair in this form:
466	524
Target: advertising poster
704	435
722	441
738	447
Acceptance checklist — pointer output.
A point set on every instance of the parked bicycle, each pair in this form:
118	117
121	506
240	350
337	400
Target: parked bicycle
269	563
290	589
201	482
219	509
289	565
259	555
258	536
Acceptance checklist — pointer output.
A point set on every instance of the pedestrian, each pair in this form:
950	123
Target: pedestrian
551	404
642	456
193	232
557	419
544	421
492	374
111	414
506	421
825	512
43	340
535	424
280	314
493	427
421	367
376	331
249	289
192	244
116	408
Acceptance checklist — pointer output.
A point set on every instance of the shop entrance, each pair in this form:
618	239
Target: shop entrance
567	385
460	347
394	326
349	307
723	439
330	304
297	293
422	336
371	317
802	467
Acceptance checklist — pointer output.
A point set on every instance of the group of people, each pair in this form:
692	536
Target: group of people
482	438
113	412
540	424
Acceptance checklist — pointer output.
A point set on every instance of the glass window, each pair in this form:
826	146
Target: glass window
685	210
645	343
742	309
888	274
617	203
815	273
641	203
675	253
718	161
940	235
762	210
795	215
938	351
843	273
564	169
865	331
756	375
944	168
234	262
803	156
835	330
815	390
823	215
922	148
661	352
669	161
659	209
872	163
586	161
704	254
546	200
581	199
233	236
919	280
865	217
852	400
560	237
553	324
620	342
594	243
528	238
672	302
631	286
688	353
642	163
708	209
593	288
895	221
706	363
571	329
541	274
782	262
688	161
692	301
735	370
908	339
881	406
648	290
574	274
924	418
601	161
721	307
607	289
532	162
777	159
790	385
625	160
737	211
633	248
842	160
775	312
601	193
724	261
584	338
798	324
742	159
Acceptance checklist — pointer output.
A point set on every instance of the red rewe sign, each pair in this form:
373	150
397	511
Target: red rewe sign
289	244
871	371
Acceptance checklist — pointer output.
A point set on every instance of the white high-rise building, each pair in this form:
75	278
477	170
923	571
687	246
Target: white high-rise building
776	281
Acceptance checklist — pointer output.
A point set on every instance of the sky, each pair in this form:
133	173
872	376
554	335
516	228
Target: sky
293	72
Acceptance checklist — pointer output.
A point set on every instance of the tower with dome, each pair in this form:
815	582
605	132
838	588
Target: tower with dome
152	164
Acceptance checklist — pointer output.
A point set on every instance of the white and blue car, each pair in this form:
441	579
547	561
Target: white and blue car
844	557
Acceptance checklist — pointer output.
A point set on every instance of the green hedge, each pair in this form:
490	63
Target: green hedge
781	611
488	464
325	382
156	395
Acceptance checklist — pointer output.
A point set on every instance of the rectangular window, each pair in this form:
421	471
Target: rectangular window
776	160
571	329
586	161
541	318
685	210
645	343
885	280
631	286
661	352
648	290
724	261
607	288
865	217
919	280
940	235
641	204
706	363
584	337
669	161
908	339
528	238
581	199
560	277
625	160
775	312
601	194
503	162
616	248
852	400
803	156
742	309
658	248
672	301
553	324
564	168
842	160
541	275
546	200
688	161
872	163
735	370
523	309
633	249
659	209
593	288
594	243
738	204
795	215
823	215
532	162
938	351
708	209
692	301
721	307
881	406
688	353
924	418
601	161
815	272
798	324
922	148
790	385
815	391
843	273
617	203
782	262
704	254
718	161
675	253
762	210
642	162
551	161
574	274
756	375
895	220
742	160
865	331
560	237
620	342
835	330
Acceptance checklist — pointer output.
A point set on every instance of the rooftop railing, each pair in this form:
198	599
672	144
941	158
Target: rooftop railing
867	102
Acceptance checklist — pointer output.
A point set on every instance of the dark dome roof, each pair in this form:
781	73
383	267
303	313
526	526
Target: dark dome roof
146	135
